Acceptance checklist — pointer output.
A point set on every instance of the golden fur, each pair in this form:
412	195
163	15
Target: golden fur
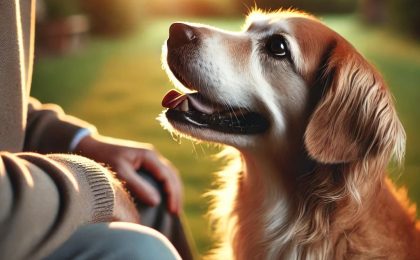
318	190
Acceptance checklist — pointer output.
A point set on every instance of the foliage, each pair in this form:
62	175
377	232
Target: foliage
193	7
114	16
405	15
56	9
399	15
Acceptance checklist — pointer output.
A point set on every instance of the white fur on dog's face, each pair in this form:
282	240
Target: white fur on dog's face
236	70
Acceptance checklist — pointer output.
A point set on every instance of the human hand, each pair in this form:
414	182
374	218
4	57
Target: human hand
125	158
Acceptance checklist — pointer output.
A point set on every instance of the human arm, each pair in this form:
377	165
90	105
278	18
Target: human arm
45	198
50	130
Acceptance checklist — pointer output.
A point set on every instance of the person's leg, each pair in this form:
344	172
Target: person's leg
169	225
117	240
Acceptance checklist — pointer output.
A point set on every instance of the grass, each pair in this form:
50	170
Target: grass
118	84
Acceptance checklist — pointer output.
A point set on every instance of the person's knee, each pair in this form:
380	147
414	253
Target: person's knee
117	240
140	242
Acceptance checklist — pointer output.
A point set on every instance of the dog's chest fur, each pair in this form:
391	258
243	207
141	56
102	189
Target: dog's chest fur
265	224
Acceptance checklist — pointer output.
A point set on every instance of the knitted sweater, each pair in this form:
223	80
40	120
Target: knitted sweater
43	198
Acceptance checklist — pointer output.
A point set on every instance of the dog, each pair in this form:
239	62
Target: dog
314	127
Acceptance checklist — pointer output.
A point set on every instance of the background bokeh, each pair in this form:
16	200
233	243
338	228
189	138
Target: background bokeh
100	60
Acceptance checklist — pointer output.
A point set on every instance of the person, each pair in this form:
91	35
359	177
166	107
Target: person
56	199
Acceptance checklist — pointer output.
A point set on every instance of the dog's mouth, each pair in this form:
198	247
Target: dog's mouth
196	110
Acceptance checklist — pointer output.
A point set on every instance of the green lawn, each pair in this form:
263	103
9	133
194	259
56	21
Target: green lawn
118	85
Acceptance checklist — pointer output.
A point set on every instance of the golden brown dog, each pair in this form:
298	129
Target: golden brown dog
315	127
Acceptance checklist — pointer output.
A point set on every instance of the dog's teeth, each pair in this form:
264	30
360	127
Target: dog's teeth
184	106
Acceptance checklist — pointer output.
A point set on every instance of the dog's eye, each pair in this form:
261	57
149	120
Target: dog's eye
277	46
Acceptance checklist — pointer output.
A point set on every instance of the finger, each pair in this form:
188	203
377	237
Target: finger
140	188
169	186
167	175
173	185
176	183
179	186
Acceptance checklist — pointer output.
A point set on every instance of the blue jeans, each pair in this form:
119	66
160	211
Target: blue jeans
117	240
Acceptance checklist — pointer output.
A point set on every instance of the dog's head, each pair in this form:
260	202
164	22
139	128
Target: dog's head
285	75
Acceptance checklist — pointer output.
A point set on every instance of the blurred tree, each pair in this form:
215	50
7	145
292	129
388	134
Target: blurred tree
405	16
56	9
193	7
114	16
61	28
373	11
402	15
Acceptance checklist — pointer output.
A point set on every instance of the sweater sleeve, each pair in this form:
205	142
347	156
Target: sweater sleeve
49	130
44	199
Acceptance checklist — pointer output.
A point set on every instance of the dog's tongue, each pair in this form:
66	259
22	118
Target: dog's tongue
176	100
173	98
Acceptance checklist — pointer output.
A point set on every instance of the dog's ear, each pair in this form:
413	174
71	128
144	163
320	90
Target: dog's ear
355	117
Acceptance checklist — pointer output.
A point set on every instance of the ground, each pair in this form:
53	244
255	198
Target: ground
118	84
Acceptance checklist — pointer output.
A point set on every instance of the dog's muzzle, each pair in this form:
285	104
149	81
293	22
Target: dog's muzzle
194	109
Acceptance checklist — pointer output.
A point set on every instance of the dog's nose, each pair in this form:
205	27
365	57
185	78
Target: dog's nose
180	34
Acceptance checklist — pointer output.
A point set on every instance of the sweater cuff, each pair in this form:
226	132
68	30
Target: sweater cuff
93	178
82	133
57	136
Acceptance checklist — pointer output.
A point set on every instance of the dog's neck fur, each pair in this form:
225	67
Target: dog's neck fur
306	217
